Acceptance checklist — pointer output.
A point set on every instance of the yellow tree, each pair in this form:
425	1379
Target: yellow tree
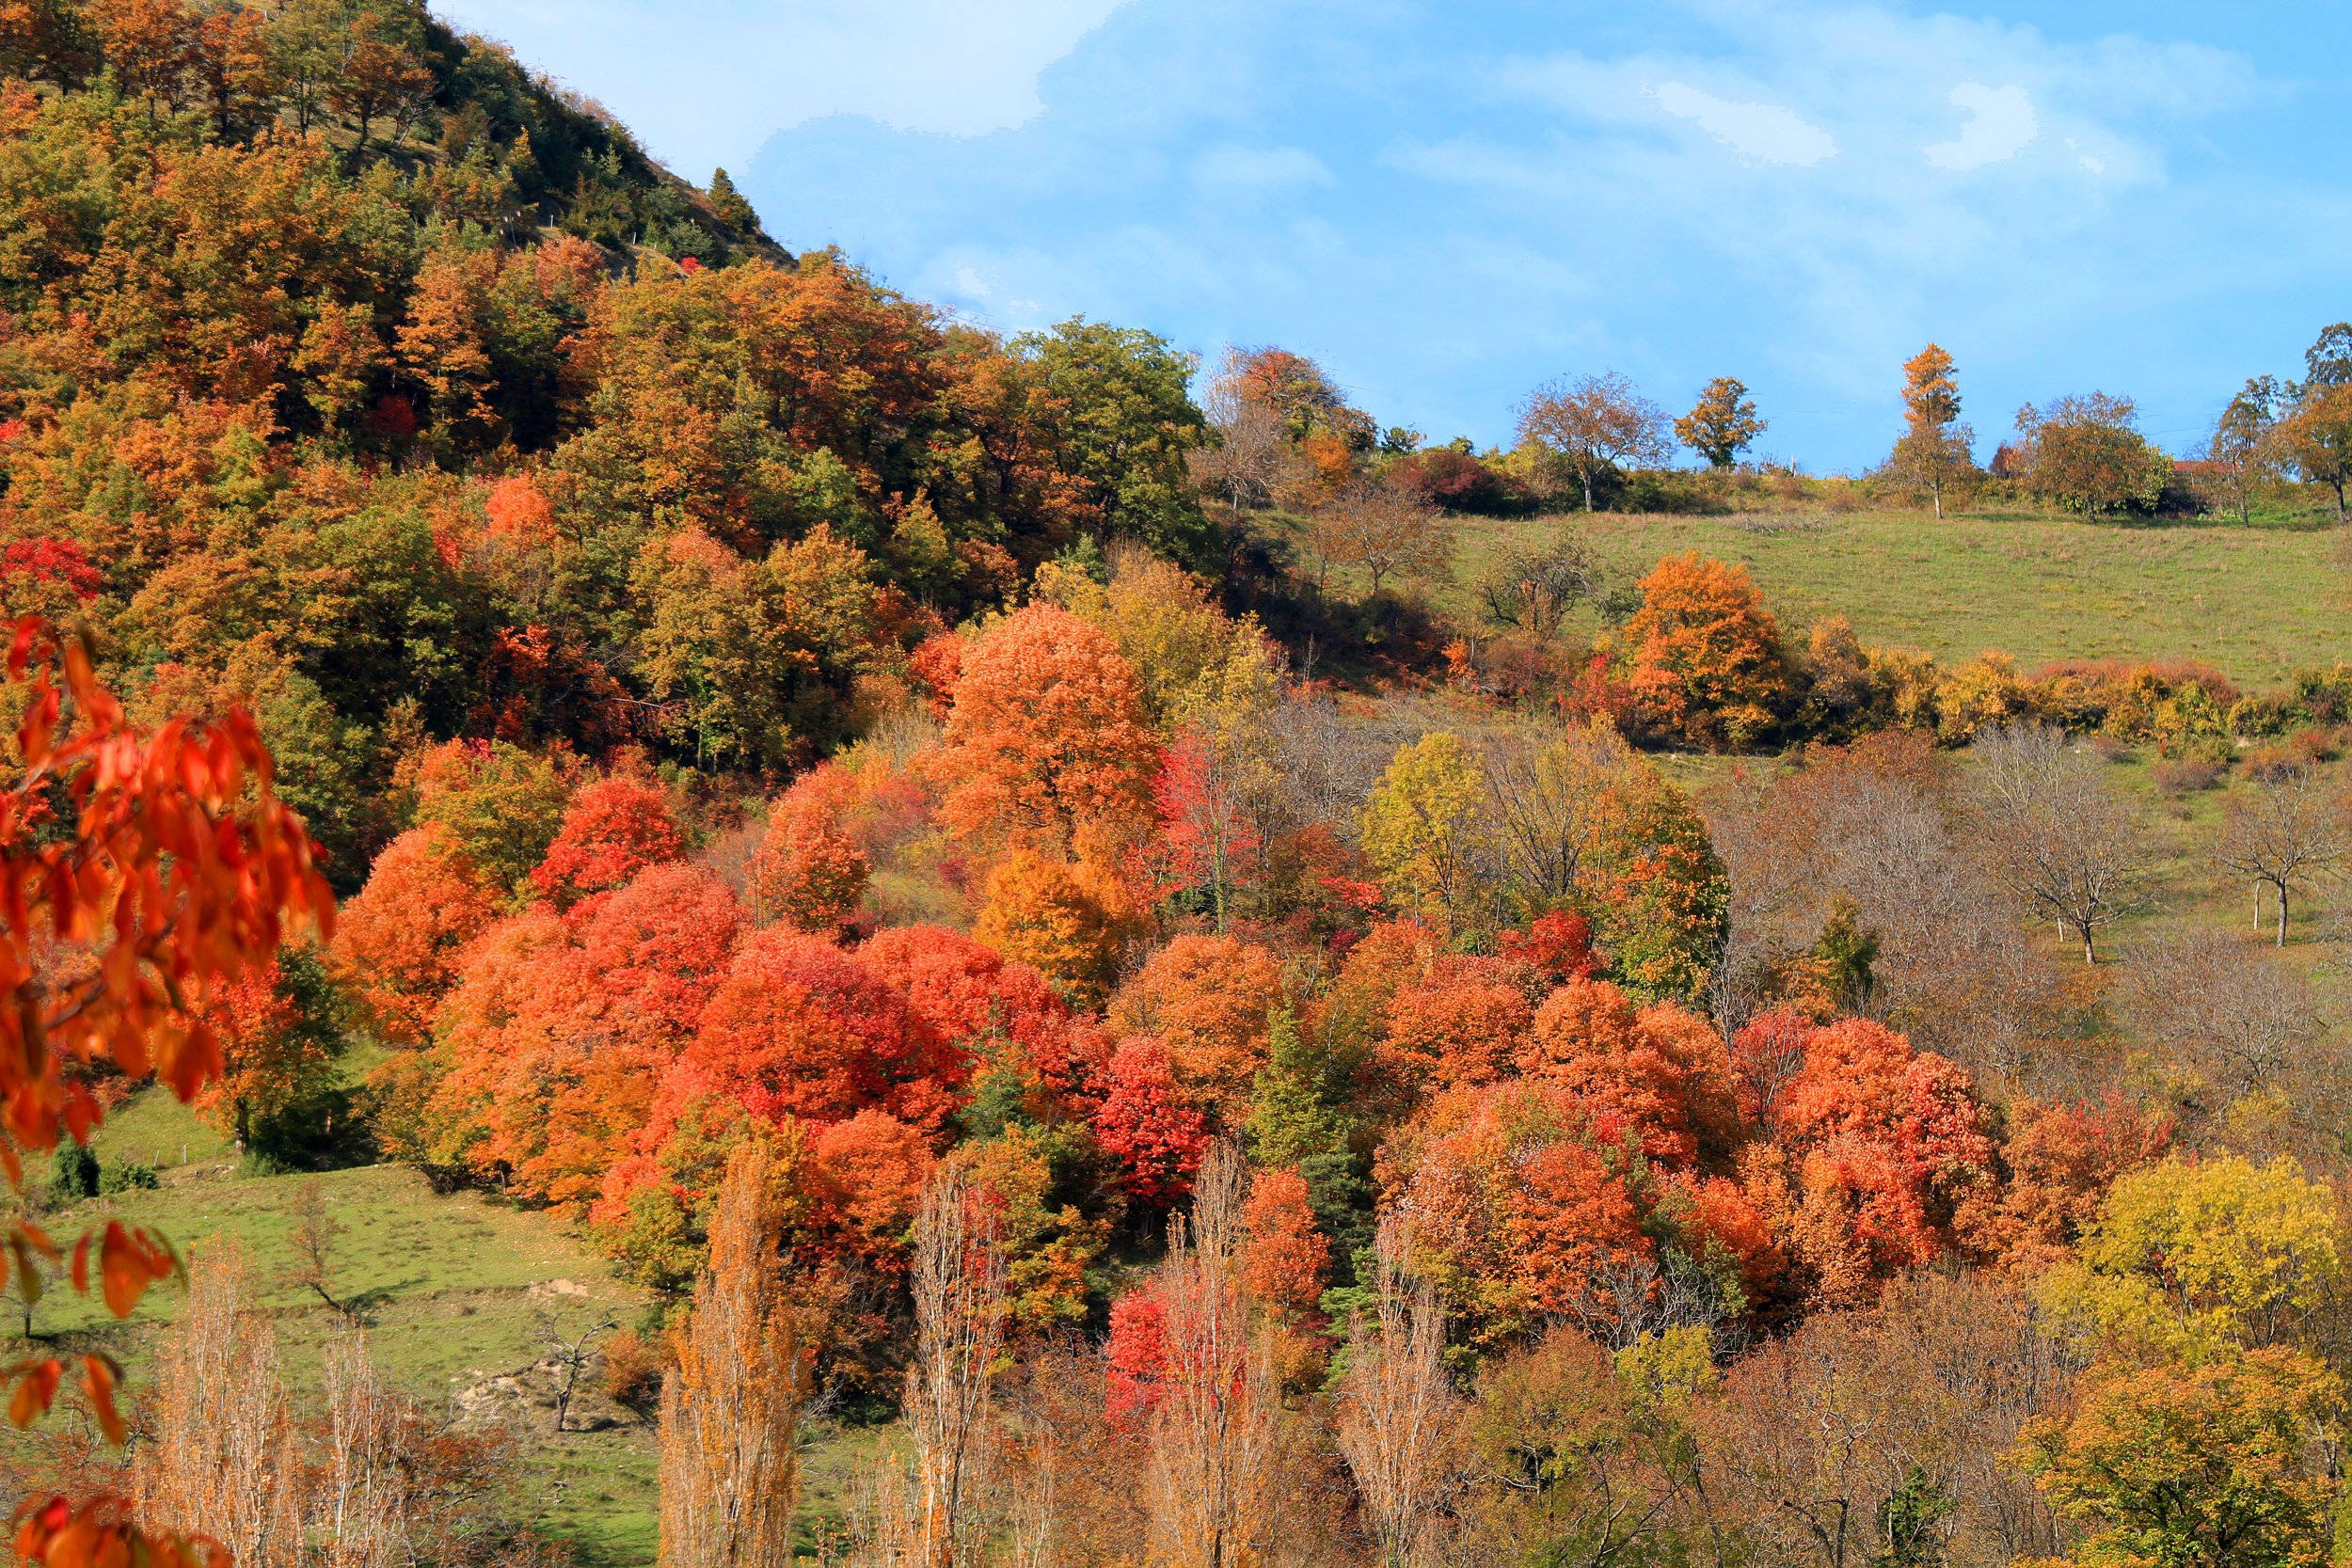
2221	1465
1425	828
1722	424
729	1477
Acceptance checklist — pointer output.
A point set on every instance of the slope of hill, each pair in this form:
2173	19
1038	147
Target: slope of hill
2257	604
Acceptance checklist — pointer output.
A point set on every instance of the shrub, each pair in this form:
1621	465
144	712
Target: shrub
2186	775
75	1172
130	1176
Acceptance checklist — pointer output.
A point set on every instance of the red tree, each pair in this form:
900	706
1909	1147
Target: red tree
1146	1122
613	829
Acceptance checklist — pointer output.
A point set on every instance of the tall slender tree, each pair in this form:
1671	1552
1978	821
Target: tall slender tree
959	1289
730	1480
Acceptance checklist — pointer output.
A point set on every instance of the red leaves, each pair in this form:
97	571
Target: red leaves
130	1260
1147	1125
36	1389
100	1534
182	872
613	829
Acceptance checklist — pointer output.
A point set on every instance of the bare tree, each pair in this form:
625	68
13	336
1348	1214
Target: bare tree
1544	797
2232	1022
1591	425
2284	832
958	1289
569	1356
311	1238
1882	1436
1395	1421
1253	453
2058	837
1386	530
1532	590
223	1462
361	1508
730	1480
1212	1433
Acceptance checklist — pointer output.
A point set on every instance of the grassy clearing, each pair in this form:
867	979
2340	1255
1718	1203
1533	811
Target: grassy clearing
453	1290
2257	602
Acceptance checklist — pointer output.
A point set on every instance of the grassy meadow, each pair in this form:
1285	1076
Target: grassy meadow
2256	603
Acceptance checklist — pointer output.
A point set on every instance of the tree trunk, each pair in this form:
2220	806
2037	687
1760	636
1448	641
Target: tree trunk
1936	487
1587	476
2090	953
2282	912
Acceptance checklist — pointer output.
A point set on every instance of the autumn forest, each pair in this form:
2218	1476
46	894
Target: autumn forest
949	948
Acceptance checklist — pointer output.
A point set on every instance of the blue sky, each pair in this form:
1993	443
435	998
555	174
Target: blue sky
1448	204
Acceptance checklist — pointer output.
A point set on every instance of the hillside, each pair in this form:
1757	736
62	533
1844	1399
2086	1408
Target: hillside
1020	949
2257	604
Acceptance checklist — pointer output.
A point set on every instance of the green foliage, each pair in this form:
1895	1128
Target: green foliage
1115	402
129	1177
73	1171
1911	1522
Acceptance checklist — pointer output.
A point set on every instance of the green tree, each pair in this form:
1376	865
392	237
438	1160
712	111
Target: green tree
2315	436
2243	446
2087	455
1115	406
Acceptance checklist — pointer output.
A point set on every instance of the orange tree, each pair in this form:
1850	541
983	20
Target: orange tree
141	872
1707	665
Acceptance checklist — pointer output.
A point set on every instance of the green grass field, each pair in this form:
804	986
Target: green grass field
453	1290
2257	602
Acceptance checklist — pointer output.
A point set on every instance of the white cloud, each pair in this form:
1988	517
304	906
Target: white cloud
705	84
2001	124
1764	132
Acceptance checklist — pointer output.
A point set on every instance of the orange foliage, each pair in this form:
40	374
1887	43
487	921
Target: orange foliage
1890	1144
1286	1259
810	870
1707	662
1461	1024
1071	923
1046	733
138	871
519	511
656	944
1513	1217
1207	999
2061	1160
1656	1077
613	829
403	938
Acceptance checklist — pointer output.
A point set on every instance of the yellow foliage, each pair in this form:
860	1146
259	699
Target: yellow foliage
2191	1257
